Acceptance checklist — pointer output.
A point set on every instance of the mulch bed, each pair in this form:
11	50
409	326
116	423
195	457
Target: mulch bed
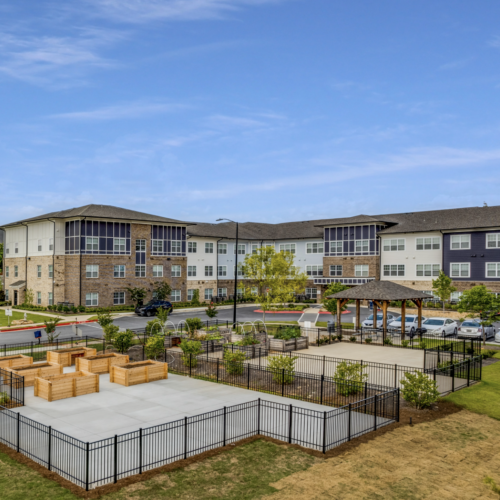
490	361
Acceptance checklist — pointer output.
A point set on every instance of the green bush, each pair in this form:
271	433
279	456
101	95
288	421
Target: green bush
153	327
287	333
4	398
234	362
419	390
283	368
81	309
369	340
339	337
194	324
190	349
110	333
248	340
104	319
352	339
422	344
155	346
123	340
405	343
488	353
388	341
349	378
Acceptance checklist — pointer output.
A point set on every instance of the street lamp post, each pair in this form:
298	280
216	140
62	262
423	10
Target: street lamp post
235	270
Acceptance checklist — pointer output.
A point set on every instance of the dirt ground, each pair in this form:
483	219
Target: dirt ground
446	458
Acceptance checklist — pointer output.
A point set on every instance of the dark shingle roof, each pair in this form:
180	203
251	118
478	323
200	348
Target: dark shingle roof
101	212
357	219
380	290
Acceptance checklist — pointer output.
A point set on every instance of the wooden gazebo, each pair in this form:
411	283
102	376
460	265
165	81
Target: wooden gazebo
381	293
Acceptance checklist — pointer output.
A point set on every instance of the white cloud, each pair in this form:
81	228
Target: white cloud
461	63
495	42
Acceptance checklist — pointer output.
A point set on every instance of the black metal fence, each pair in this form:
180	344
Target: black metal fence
451	376
90	465
11	389
450	353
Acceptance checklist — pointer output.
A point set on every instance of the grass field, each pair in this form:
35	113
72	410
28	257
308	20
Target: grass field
36	318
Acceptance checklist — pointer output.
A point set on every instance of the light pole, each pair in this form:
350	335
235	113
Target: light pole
235	270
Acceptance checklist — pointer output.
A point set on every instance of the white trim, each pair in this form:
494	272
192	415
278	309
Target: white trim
460	236
423	238
497	239
397	240
459	264
497	264
423	270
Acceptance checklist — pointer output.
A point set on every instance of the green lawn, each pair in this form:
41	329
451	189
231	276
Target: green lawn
483	397
244	472
36	318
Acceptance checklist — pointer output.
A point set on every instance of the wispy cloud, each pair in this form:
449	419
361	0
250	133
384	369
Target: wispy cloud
495	42
461	63
121	111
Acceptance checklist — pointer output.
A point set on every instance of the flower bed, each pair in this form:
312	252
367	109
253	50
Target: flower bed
67	385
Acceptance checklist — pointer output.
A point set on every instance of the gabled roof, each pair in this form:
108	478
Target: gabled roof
357	219
102	212
380	290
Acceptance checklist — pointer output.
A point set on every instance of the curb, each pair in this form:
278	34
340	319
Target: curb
32	327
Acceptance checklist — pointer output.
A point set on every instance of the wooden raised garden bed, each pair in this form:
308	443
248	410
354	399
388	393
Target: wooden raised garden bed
101	363
67	357
16	360
68	385
30	372
288	345
140	372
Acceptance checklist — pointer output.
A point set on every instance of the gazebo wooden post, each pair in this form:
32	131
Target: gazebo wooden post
403	319
358	314
339	317
419	305
385	304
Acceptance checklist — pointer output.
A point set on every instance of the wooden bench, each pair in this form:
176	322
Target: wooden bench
16	360
67	357
30	372
140	372
68	385
101	363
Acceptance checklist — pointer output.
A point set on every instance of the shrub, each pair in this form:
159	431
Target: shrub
110	332
59	307
405	343
422	344
104	319
283	368
190	349
155	346
287	333
349	378
340	337
50	328
123	340
248	340
65	309
369	340
211	310
419	390
352	339
234	362
81	309
388	341
195	301
194	324
153	327
4	398
488	353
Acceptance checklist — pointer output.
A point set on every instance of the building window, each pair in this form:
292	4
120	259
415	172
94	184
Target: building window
51	299
119	272
6	294
287	247
394	270
460	270
140	245
241	249
254	248
92	271
16	271
222	248
362	246
91	299
7	249
493	270
40	248
157	271
222	271
209	248
312	293
336	247
190	294
428	269
192	246
7	271
428	243
51	271
209	292
51	244
38	271
140	271
460	242
314	248
118	244
176	271
393	245
38	298
314	270
361	271
240	292
241	274
118	298
493	240
157	246
335	270
209	270
176	246
222	292
192	271
176	296
16	247
92	244
254	290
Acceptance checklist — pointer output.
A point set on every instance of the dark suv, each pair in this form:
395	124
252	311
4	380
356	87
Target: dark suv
151	308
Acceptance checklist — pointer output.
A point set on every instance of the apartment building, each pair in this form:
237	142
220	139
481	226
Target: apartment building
90	255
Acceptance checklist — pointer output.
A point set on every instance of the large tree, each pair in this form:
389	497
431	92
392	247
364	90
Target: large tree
331	304
274	275
442	287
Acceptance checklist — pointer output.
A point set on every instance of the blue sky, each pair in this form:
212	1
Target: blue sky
262	110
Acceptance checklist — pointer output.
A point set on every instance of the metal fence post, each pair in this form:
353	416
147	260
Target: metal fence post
218	369
375	415
290	425
190	362
468	372
49	465
185	437
258	416
11	383
18	430
87	466
140	450
396	375
349	424
224	424
324	432
248	376
398	395
434	374
283	383
322	383
452	378
324	363
116	459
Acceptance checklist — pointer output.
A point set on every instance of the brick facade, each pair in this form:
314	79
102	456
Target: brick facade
11	262
348	264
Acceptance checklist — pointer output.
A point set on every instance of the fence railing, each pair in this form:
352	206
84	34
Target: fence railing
90	465
11	389
451	376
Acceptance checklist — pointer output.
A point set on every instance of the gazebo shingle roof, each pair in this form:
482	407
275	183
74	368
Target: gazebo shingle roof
380	290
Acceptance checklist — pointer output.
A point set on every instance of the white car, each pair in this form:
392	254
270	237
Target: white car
497	336
440	326
473	328
411	324
380	318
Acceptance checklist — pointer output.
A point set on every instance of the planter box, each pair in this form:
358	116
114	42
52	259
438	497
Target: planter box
30	372
288	345
140	372
67	357
68	385
101	363
251	351
173	340
16	360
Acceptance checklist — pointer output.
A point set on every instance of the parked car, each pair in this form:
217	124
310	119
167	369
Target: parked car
473	328
151	308
411	324
497	336
369	321
440	326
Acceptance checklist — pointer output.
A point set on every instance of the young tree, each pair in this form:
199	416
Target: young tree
331	304
163	290
211	310
442	287
155	347
196	298
50	328
274	275
137	294
104	319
